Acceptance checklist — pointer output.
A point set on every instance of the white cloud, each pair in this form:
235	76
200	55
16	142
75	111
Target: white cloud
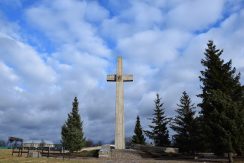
7	73
65	24
25	60
154	38
137	16
8	28
114	29
195	15
95	12
154	46
142	15
147	102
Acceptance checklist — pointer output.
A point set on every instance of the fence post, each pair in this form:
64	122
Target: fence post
19	153
28	153
12	151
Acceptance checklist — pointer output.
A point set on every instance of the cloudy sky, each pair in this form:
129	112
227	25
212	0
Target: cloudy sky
52	51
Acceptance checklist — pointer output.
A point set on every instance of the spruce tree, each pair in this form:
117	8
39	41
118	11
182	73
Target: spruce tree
138	137
72	131
221	95
185	126
239	145
159	132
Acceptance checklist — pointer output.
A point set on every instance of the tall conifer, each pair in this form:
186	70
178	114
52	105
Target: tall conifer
72	131
185	126
159	132
221	95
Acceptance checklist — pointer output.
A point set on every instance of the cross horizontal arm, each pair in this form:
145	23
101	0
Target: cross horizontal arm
111	78
127	78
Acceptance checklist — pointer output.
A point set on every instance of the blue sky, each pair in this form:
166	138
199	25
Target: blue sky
52	51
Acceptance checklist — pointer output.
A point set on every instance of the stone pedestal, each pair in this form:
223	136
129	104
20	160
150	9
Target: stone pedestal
126	154
105	151
109	152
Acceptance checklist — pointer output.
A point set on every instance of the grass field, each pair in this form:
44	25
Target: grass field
6	157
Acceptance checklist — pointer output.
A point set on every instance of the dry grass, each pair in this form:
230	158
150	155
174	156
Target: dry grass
6	157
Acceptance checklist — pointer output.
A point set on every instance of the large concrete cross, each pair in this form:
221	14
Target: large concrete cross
119	78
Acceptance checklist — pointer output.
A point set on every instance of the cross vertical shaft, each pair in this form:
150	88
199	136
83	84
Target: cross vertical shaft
119	133
119	78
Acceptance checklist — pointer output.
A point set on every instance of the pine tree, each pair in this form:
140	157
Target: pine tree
184	124
138	137
221	93
239	145
72	131
159	133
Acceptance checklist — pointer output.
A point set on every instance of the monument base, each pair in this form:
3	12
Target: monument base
126	154
107	151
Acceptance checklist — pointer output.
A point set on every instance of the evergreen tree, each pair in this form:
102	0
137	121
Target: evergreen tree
239	146
72	131
221	94
159	133
138	138
185	126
